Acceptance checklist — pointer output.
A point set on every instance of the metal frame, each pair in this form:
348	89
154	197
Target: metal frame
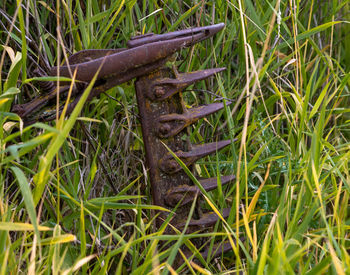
163	115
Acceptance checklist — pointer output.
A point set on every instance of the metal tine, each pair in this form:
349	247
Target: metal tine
169	165
186	193
171	124
207	220
197	34
167	87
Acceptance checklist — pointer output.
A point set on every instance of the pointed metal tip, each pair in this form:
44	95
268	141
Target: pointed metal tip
211	183
192	77
209	148
213	29
209	72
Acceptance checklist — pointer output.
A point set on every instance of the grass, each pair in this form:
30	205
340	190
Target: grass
74	193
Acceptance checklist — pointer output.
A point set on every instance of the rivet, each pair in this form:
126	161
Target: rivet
171	166
159	91
164	129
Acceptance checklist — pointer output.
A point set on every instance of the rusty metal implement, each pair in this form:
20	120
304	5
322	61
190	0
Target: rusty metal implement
163	115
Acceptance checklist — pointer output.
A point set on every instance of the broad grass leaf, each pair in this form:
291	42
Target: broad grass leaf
14	71
60	239
27	197
18	226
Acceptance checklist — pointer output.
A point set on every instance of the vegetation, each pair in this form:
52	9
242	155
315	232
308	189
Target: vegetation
288	74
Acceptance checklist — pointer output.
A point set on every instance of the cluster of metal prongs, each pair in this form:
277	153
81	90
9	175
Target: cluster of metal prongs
162	112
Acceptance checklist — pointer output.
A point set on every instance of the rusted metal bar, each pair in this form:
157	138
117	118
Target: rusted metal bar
26	109
165	172
47	86
149	112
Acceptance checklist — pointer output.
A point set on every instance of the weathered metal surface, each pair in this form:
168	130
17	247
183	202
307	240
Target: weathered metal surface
26	109
149	113
171	124
185	194
46	86
166	87
90	55
169	165
196	35
169	183
207	220
164	171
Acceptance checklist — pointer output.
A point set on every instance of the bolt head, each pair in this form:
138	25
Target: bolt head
164	129
159	91
171	165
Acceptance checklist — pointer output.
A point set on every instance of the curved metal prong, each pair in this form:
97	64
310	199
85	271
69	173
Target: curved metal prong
171	124
207	220
169	165
186	194
167	87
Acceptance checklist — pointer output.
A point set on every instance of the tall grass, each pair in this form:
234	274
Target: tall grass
74	194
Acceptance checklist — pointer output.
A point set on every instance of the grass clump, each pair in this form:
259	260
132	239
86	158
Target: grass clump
74	196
